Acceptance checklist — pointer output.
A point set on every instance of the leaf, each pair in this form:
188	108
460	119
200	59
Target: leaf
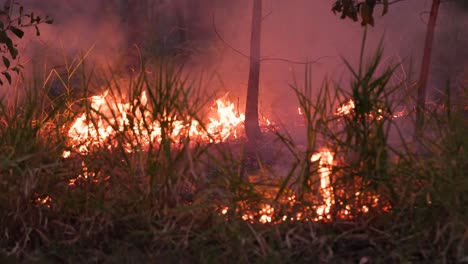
6	62
385	7
18	32
7	76
49	20
38	33
9	43
4	37
13	51
366	15
16	69
337	7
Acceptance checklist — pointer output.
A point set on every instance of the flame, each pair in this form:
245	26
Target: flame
322	212
346	108
44	201
100	125
266	214
299	111
325	159
86	175
227	122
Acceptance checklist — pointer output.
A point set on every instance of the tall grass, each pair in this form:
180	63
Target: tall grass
163	200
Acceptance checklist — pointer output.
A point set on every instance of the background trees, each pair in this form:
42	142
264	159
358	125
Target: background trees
252	127
365	9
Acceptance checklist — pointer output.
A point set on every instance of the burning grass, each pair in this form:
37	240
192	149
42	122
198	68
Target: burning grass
151	171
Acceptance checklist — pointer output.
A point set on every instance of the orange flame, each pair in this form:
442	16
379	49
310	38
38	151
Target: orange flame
106	119
346	108
325	159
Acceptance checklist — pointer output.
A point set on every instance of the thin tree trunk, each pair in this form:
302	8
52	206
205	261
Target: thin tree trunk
252	128
425	66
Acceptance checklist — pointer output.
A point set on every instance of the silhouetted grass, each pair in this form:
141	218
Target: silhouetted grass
162	201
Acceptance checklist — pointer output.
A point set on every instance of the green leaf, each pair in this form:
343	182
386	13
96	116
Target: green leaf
7	76
13	51
6	62
9	43
4	37
385	7
16	69
18	32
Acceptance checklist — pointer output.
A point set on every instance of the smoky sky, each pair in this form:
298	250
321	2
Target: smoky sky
292	30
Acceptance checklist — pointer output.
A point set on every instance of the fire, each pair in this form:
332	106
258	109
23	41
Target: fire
346	108
44	201
266	213
227	122
99	126
325	159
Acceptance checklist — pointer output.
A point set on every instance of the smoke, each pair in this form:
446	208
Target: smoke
304	30
450	57
213	37
79	27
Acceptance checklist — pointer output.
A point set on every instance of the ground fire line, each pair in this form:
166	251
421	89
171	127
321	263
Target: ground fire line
97	128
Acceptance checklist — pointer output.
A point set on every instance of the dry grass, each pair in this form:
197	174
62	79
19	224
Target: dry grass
162	204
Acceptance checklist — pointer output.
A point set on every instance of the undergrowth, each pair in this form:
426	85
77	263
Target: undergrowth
163	200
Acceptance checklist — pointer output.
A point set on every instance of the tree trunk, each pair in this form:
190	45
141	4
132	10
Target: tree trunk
252	128
425	66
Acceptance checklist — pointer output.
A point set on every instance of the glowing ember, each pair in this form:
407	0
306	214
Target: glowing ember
266	214
325	159
99	126
44	201
299	111
346	108
85	175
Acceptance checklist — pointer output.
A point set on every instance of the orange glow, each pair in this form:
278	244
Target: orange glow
226	123
299	111
266	214
44	201
325	159
322	212
346	108
99	126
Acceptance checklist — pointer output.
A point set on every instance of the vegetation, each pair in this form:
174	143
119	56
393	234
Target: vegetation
13	19
164	201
